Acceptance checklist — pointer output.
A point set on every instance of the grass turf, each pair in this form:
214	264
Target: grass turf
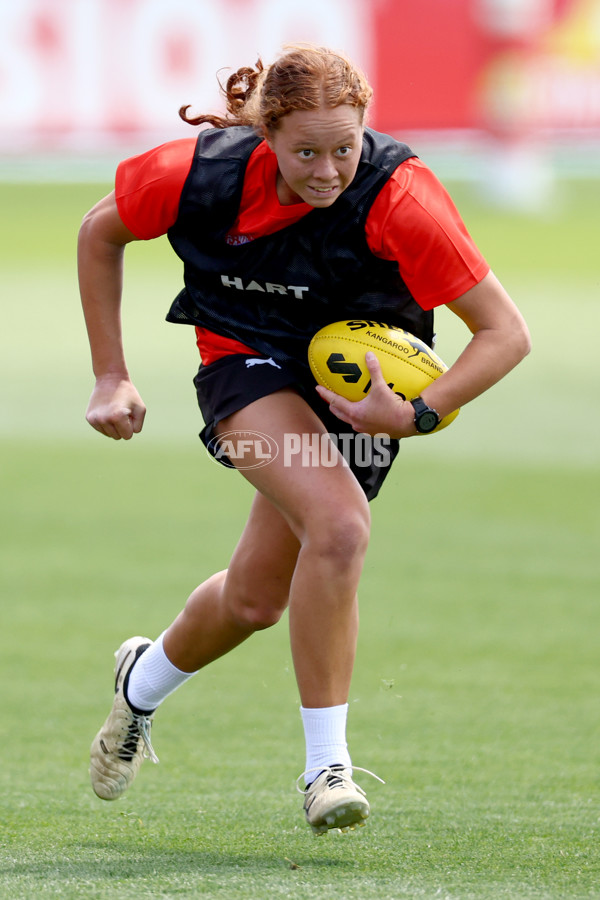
476	687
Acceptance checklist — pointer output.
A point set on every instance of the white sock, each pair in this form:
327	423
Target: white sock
325	735
153	678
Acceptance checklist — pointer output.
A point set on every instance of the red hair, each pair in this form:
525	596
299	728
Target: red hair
306	77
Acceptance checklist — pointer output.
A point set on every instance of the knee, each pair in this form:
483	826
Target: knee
342	535
256	613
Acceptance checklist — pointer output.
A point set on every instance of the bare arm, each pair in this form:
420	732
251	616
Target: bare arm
115	408
500	341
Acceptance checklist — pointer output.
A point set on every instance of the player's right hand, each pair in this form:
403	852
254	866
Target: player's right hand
380	412
115	408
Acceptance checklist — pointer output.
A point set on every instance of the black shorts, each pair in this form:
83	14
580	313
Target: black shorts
235	381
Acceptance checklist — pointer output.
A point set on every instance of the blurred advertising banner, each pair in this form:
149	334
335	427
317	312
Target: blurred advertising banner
491	64
89	74
78	71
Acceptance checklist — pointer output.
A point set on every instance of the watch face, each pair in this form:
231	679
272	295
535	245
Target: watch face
428	421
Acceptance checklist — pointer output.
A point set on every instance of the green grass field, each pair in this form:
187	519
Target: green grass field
476	691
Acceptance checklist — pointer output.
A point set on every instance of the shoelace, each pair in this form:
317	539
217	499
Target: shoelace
139	728
337	772
144	725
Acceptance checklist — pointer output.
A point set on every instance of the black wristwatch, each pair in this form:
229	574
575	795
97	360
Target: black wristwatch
426	418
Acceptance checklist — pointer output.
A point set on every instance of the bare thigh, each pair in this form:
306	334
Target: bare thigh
311	496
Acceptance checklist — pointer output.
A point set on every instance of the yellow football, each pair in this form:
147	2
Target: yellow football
336	356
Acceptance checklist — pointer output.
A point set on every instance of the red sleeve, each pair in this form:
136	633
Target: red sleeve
414	222
148	187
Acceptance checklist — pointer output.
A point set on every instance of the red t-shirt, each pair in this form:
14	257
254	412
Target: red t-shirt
412	221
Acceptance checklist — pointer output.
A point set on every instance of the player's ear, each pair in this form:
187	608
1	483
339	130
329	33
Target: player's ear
268	137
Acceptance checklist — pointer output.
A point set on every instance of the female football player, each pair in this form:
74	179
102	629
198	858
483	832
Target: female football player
288	213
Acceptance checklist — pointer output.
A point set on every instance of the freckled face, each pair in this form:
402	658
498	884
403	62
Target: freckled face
318	152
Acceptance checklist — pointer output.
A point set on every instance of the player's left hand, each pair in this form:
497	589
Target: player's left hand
381	412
